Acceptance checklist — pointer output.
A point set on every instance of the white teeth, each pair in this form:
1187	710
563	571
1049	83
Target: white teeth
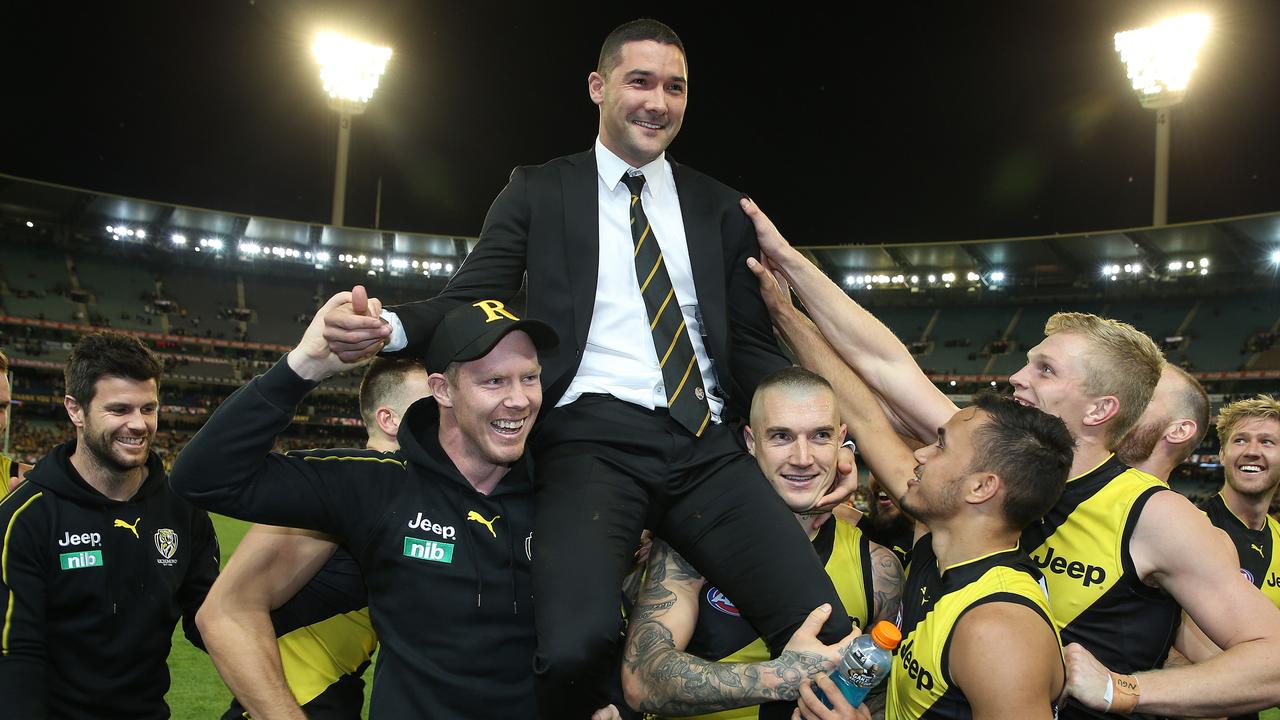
1250	468
651	126
508	424
130	440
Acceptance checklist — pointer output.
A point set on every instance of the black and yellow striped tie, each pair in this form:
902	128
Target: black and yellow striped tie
686	398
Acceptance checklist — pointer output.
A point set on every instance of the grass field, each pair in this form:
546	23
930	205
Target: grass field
197	693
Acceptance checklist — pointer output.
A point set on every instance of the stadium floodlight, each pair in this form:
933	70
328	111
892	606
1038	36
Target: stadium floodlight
1204	262
322	256
997	276
1275	257
1159	60
948	277
350	70
932	278
448	267
30	224
215	244
848	280
177	239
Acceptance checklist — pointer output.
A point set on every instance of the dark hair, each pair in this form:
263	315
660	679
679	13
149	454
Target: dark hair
1029	450
382	379
103	354
634	31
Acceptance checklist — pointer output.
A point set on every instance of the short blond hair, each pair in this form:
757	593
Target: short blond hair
1123	362
1264	407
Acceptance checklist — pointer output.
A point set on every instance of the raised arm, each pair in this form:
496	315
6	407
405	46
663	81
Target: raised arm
659	677
1174	545
886	584
228	466
870	348
270	565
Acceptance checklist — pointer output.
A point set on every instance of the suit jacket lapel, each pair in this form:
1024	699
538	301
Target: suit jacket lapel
582	237
706	255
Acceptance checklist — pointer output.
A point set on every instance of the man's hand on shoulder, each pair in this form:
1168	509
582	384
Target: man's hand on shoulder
846	482
315	357
353	328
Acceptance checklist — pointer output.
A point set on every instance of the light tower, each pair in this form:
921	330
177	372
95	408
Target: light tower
1159	60
350	70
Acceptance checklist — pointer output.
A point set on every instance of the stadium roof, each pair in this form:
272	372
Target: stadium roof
1241	246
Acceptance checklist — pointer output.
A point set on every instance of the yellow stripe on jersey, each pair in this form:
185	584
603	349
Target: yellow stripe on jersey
317	655
920	680
848	574
4	571
393	461
6	467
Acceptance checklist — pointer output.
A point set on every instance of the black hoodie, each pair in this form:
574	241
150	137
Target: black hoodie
92	589
447	568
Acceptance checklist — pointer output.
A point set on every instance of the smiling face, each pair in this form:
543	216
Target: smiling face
642	100
935	492
795	435
1054	379
1251	457
493	401
118	425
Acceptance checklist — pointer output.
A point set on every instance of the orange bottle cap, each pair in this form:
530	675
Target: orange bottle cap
886	635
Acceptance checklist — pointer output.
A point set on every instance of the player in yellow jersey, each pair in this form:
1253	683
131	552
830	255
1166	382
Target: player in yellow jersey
1121	552
689	651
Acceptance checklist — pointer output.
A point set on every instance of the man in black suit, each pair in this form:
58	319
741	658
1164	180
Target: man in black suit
641	263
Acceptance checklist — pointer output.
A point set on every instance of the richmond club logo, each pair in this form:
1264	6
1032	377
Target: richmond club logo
167	545
717	600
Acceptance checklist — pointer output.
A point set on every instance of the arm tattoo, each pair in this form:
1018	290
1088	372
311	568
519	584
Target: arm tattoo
679	683
886	584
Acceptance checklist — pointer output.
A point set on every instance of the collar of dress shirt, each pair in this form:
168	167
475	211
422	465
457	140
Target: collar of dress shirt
610	167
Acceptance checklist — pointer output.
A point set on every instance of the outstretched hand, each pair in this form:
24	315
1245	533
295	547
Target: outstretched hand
844	486
354	330
774	288
772	244
313	358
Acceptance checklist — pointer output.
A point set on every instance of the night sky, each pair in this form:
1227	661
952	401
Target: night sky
913	121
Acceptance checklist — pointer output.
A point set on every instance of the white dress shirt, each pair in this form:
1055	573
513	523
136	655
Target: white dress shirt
619	358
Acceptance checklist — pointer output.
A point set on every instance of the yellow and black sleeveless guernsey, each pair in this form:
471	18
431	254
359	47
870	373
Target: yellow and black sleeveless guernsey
1259	561
1098	600
724	636
326	639
933	601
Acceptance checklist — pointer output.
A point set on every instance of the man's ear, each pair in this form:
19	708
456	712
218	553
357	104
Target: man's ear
1181	431
440	389
74	411
595	87
749	438
387	419
1101	410
981	487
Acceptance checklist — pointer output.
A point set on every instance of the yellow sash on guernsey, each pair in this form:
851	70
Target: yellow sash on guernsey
6	466
920	681
316	655
847	573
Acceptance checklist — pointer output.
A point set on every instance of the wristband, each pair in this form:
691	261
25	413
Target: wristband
1122	694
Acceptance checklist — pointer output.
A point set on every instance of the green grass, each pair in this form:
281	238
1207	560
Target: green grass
196	691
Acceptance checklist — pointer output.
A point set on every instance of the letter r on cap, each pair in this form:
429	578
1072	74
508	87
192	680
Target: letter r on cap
494	310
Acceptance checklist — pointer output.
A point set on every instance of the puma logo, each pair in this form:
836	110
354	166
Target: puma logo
1259	549
131	528
473	515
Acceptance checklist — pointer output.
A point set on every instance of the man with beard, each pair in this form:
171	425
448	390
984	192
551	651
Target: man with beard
1122	553
884	522
100	557
1250	433
1170	429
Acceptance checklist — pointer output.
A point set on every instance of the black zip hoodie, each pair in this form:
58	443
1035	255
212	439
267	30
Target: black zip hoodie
447	568
92	589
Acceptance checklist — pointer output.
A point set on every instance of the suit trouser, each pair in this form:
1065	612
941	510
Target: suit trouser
604	469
